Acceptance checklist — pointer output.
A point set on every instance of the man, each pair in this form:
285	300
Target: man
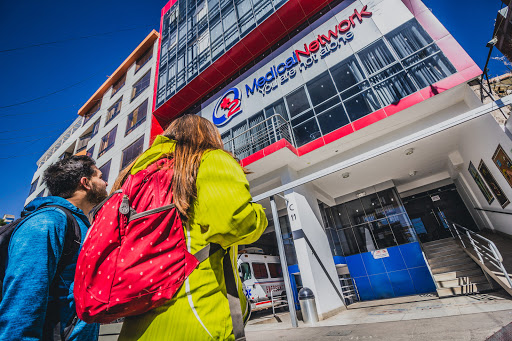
35	297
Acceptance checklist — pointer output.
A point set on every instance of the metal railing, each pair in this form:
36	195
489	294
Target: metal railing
277	301
485	250
349	290
260	136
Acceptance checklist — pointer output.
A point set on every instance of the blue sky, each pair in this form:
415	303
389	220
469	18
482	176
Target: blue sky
28	130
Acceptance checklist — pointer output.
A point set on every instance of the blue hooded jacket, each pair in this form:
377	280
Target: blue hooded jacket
34	251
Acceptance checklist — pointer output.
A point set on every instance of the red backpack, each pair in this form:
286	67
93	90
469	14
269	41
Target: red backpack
134	257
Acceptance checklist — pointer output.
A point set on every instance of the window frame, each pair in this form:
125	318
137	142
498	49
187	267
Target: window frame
149	52
132	145
117	111
103	150
257	274
33	186
116	86
136	94
139	122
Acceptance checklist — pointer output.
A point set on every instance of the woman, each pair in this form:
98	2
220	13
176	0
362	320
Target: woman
211	192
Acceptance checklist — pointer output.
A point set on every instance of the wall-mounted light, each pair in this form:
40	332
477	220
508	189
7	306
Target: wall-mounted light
409	151
345	175
413	173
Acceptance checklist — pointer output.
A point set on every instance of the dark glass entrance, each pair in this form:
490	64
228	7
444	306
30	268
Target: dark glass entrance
431	211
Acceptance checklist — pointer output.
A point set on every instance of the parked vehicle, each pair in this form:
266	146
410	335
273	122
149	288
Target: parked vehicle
262	278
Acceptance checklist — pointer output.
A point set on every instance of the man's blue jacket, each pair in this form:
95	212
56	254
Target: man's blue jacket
34	251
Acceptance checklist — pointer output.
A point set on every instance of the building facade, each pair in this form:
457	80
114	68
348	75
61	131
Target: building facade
113	126
298	86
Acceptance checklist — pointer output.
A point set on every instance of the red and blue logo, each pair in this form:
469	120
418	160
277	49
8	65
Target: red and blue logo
227	107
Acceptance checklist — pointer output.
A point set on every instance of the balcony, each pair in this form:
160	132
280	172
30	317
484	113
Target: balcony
261	135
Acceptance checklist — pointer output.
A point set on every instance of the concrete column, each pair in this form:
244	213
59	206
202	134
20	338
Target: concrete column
304	214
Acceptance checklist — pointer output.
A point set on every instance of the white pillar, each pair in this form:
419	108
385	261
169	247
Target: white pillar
304	214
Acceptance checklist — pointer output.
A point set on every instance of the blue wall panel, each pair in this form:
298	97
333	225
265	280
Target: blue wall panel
403	273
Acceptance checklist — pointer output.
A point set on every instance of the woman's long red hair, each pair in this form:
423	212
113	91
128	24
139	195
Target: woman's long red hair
194	135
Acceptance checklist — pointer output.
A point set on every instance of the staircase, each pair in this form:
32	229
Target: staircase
455	273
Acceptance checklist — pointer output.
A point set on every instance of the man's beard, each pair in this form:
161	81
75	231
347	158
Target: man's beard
96	195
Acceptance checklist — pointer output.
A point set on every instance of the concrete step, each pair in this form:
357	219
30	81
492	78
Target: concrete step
479	279
450	275
447	261
456	267
444	253
443	250
464	289
440	247
440	242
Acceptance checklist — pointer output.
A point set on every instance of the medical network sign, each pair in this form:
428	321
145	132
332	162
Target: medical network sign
324	45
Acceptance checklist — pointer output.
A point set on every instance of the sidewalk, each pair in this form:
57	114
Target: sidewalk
473	317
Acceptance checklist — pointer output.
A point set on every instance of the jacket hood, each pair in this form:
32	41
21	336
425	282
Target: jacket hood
161	146
52	200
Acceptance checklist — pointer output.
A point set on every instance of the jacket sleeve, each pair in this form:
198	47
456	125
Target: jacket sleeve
223	208
34	250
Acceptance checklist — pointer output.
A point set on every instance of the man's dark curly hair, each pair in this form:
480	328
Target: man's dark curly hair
63	177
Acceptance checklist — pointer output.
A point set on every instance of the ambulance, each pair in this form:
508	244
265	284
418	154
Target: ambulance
262	278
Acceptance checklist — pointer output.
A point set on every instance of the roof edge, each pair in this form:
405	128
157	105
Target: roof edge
136	53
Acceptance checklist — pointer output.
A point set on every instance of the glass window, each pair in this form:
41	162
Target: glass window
262	9
391	203
143	59
402	229
408	38
171	85
372	207
96	107
364	237
203	46
107	141
90	151
395	88
95	128
229	22
41	194
118	85
348	241
245	271
33	186
114	110
375	57
180	75
275	270
132	151
201	11
136	117
333	119
82	142
361	105
192	61
432	70
321	88
105	170
347	74
306	132
217	43
141	85
383	234
213	8
260	270
355	212
245	16
297	102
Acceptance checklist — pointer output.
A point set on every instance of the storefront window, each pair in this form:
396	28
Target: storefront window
373	222
347	74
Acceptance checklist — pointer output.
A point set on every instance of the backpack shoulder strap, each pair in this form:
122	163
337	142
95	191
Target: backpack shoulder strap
72	239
